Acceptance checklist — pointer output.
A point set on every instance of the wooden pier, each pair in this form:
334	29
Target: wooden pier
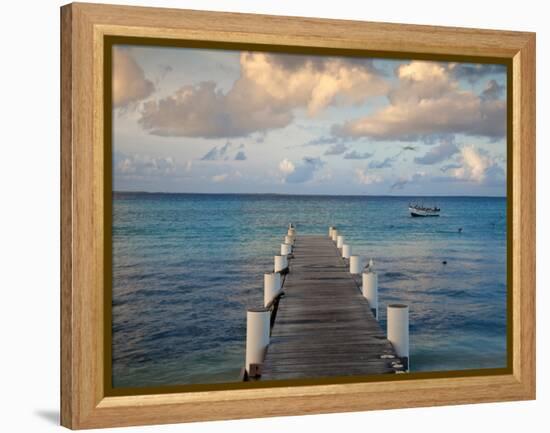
323	325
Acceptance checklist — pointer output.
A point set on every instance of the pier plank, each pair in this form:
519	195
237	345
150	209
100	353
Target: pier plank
324	326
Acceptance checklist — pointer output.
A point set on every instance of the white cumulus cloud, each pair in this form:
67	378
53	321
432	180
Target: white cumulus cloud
270	88
302	172
365	178
286	166
428	100
129	84
477	166
220	177
143	165
473	165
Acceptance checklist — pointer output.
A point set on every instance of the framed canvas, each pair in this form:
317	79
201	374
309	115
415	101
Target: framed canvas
265	215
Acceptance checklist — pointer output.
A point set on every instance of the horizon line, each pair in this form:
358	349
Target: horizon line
303	195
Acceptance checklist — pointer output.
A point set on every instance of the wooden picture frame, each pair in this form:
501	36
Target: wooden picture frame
84	27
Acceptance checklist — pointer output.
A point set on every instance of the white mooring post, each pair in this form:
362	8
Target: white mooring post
398	331
286	249
291	232
330	230
280	263
339	241
272	287
289	240
257	336
346	251
355	265
370	290
334	235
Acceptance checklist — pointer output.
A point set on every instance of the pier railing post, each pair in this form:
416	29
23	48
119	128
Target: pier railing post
339	241
286	249
334	235
280	263
257	338
289	240
398	331
346	251
355	265
272	287
370	290
330	230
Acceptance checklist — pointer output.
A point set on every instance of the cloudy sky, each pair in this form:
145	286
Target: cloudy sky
190	120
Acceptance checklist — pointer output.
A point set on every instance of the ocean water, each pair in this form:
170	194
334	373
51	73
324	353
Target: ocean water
186	267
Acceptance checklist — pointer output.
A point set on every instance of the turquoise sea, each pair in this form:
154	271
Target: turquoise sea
186	266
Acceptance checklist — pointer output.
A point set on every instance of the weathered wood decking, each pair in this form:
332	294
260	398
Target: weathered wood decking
324	326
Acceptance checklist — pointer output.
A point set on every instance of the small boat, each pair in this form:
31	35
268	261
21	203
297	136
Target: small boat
422	211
